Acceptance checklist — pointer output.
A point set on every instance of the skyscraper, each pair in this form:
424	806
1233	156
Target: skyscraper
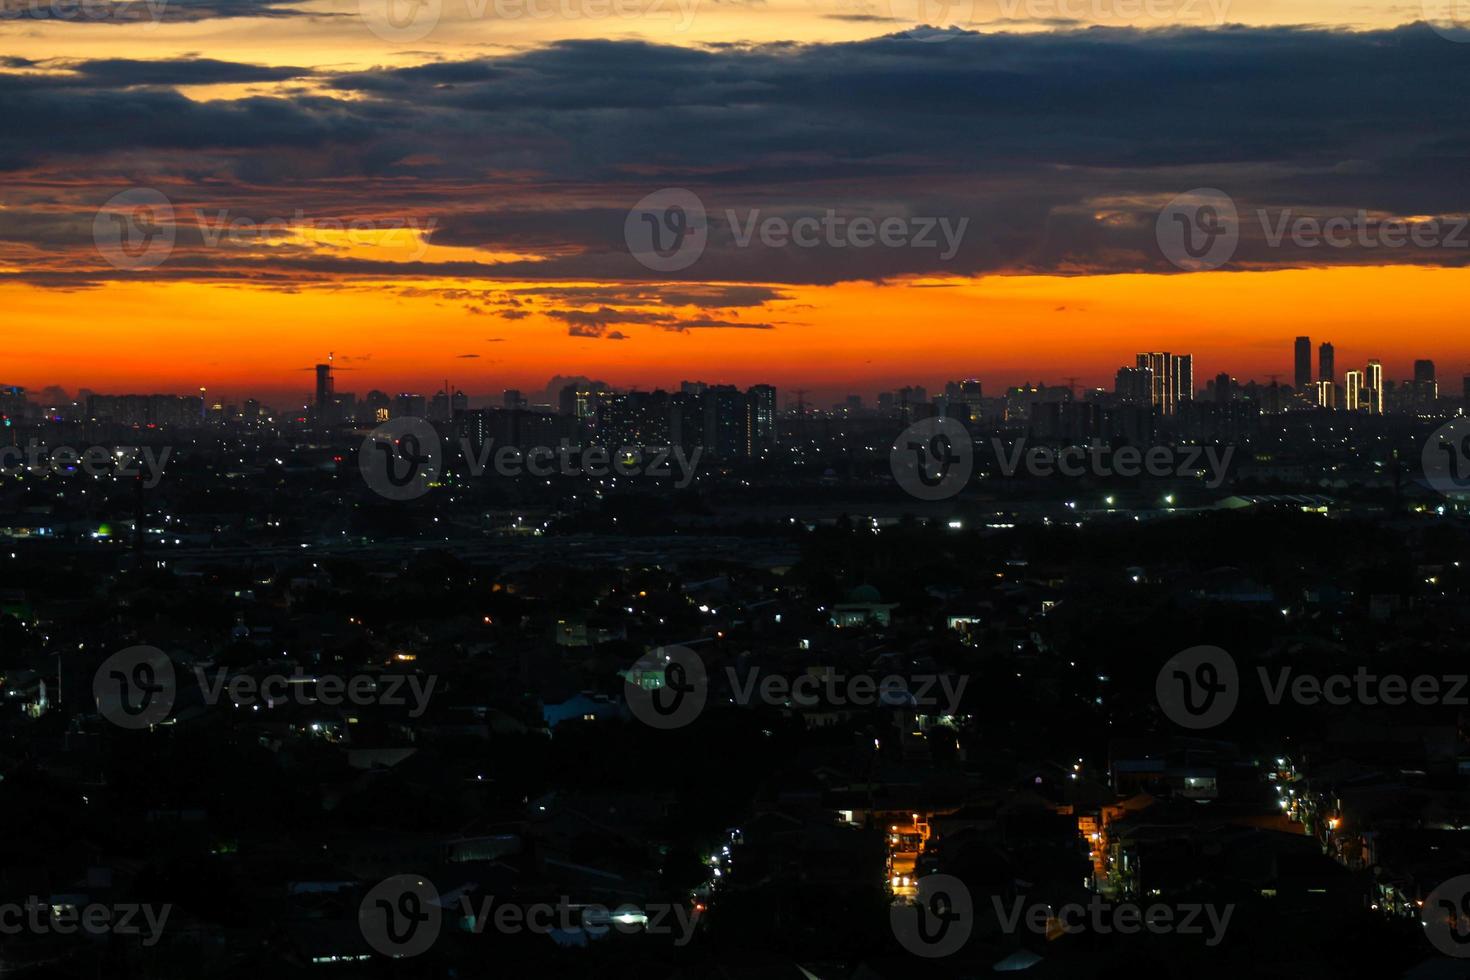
1373	381
323	387
1326	363
1303	363
1171	379
1353	391
761	420
1424	370
964	398
725	426
1134	385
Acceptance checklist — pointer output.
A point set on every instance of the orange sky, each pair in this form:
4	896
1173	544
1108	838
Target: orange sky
851	337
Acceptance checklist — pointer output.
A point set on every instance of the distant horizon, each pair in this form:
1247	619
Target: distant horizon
819	396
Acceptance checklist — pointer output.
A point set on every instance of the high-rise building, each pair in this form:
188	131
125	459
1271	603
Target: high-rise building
1325	393
1224	388
1424	370
1133	385
725	426
1465	391
323	386
964	398
761	420
1171	379
1303	363
513	399
1184	378
1326	363
1353	390
1373	381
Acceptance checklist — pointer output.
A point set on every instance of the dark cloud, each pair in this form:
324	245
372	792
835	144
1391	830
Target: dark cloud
146	11
125	72
1056	150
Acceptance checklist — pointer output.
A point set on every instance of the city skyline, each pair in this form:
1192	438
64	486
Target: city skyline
488	393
